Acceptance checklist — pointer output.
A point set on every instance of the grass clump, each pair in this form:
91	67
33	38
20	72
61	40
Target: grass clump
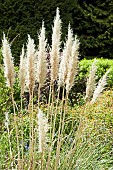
53	135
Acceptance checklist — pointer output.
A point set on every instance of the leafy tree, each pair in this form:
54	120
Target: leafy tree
95	27
90	20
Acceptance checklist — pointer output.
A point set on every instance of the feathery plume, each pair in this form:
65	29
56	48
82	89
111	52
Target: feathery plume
73	65
41	64
31	56
54	60
8	62
63	69
42	130
22	71
100	87
91	81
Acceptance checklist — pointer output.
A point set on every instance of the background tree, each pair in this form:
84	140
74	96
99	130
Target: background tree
94	25
91	21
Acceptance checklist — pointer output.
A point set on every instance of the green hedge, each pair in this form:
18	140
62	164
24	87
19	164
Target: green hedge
102	64
77	92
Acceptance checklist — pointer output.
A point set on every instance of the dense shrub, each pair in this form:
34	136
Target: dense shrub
78	90
102	64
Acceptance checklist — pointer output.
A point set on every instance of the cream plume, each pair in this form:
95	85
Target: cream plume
91	81
41	64
42	130
100	87
73	65
54	60
63	69
31	56
8	62
22	71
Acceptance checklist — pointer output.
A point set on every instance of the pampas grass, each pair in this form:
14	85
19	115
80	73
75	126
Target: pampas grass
43	153
30	83
36	65
8	62
91	81
54	60
42	133
42	130
31	56
22	70
63	68
68	67
100	87
41	69
10	78
73	65
22	78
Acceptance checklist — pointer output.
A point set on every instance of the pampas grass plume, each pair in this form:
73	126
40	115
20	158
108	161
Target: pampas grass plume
91	81
31	56
73	65
63	69
22	71
41	64
54	60
8	62
42	130
100	87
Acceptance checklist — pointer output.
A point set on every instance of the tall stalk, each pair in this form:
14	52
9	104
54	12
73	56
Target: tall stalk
49	102
52	137
39	96
52	107
16	128
22	131
49	113
60	132
42	153
8	131
31	131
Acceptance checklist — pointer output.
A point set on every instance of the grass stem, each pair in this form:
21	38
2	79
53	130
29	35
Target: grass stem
16	128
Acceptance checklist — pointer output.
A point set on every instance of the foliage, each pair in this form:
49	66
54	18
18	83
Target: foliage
5	97
78	90
93	148
5	100
86	146
93	22
90	126
102	64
